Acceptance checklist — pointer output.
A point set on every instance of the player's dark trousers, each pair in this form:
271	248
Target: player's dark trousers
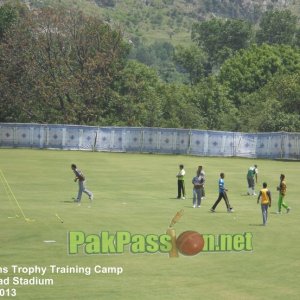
181	188
251	182
222	195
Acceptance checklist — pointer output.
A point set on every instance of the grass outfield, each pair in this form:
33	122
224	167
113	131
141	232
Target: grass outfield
136	193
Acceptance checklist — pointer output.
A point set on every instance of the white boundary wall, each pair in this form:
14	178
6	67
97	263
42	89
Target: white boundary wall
151	140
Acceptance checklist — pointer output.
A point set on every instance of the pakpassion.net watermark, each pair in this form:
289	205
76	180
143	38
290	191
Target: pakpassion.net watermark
188	243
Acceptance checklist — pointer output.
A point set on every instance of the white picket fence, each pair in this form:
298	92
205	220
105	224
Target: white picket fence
151	140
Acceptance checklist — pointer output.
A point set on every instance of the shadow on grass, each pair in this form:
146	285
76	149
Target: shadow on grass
73	200
191	206
205	209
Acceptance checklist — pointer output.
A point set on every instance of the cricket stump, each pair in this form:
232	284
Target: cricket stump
171	232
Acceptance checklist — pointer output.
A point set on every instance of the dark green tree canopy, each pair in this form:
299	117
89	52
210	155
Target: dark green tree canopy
9	14
277	27
58	65
220	38
194	61
251	69
275	107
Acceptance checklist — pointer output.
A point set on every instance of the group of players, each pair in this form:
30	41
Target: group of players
198	181
264	196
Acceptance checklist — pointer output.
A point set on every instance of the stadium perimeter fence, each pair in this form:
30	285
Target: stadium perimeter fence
280	145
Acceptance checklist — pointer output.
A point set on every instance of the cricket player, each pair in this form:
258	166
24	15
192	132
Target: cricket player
252	179
180	182
81	184
202	179
282	192
197	190
265	197
222	194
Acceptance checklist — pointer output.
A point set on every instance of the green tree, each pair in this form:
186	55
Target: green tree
168	72
158	55
275	107
58	66
139	103
145	55
109	3
154	54
211	100
9	13
251	69
193	61
221	38
297	38
179	111
277	27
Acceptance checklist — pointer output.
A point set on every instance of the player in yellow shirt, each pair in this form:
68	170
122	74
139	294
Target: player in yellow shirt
265	199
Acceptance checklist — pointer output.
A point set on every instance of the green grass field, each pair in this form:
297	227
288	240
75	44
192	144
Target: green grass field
136	193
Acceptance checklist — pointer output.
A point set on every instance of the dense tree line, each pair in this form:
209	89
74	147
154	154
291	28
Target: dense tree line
61	66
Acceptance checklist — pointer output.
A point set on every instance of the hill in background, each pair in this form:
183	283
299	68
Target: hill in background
168	20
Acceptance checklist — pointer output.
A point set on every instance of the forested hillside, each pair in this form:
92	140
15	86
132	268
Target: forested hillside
168	20
217	65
